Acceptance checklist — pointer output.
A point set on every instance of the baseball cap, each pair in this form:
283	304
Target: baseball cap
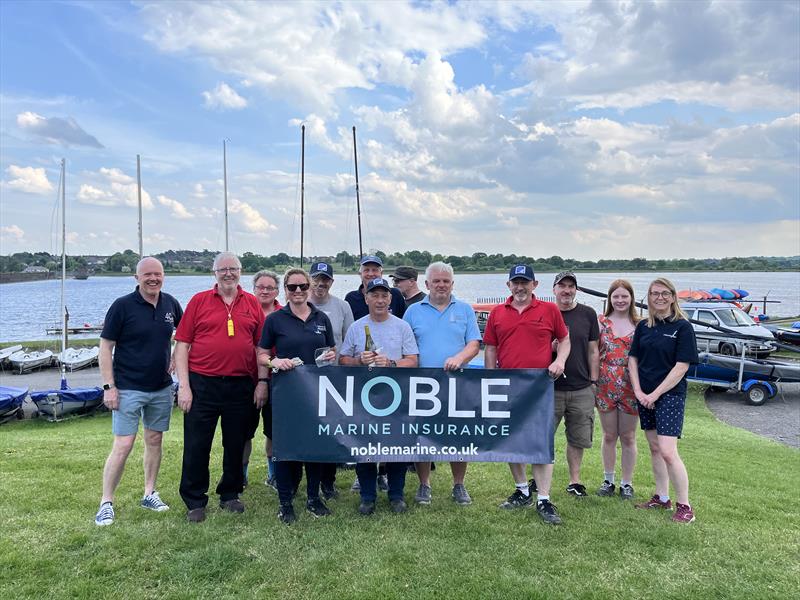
369	258
565	275
403	273
521	271
378	282
321	268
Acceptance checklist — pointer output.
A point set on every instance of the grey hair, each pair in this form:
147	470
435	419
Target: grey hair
264	273
438	266
223	255
144	258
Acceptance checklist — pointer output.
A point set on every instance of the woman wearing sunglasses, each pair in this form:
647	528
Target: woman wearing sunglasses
296	331
663	348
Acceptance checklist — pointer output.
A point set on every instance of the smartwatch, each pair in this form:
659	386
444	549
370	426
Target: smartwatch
108	386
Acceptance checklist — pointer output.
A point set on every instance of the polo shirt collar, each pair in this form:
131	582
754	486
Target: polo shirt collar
427	300
239	290
287	309
137	295
534	302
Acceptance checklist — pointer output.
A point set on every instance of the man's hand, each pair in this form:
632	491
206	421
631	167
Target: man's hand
381	360
646	400
556	369
260	394
184	398
367	357
452	364
111	398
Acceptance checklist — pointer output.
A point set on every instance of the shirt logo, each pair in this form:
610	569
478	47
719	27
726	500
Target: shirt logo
321	329
673	335
168	318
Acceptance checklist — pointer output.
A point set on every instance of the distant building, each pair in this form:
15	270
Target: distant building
36	269
125	269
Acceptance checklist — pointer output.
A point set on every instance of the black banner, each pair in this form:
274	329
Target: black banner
356	414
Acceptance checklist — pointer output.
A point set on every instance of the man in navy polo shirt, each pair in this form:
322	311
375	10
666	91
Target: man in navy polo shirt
372	268
137	329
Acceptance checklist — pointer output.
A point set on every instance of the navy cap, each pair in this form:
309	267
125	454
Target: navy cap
565	275
403	273
321	268
372	259
521	272
379	282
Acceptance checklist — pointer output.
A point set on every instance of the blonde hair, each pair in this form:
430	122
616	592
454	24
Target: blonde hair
295	271
675	312
626	285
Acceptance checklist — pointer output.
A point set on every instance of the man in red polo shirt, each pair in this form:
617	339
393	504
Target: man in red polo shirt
519	335
215	359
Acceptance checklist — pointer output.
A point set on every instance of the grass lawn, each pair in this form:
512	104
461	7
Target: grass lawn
744	544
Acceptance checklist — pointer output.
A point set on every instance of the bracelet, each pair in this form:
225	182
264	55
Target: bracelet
263	380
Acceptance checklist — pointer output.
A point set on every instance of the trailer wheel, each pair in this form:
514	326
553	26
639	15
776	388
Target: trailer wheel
727	349
757	395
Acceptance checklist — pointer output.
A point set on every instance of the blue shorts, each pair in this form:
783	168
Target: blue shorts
667	416
155	409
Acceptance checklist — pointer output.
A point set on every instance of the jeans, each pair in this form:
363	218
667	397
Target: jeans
367	474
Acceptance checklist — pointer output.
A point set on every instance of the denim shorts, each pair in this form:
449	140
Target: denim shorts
666	417
154	408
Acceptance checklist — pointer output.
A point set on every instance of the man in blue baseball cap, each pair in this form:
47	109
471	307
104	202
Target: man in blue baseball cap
372	268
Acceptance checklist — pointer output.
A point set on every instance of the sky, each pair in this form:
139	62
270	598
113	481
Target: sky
586	130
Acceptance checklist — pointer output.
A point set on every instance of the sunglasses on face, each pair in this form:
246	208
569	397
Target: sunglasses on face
293	287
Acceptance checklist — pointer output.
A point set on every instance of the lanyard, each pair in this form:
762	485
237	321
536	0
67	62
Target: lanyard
230	314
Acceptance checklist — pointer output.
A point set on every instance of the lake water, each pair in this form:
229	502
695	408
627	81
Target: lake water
27	308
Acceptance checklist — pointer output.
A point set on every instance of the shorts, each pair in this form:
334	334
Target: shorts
667	416
265	415
576	407
155	409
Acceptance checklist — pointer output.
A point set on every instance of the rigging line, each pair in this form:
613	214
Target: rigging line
289	249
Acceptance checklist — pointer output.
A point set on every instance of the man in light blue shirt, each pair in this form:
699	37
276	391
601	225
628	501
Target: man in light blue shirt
448	337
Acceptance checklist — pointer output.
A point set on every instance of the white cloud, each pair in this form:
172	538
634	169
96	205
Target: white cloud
32	180
249	217
223	97
13	232
178	210
55	130
112	187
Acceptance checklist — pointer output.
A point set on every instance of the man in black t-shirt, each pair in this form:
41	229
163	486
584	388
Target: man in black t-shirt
135	366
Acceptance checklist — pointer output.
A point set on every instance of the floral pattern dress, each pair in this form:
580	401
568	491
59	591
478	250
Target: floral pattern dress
614	390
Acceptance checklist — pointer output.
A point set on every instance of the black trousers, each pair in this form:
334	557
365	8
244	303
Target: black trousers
328	475
288	474
213	398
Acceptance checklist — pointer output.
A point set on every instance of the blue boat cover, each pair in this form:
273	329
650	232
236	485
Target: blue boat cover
742	293
11	397
70	395
724	294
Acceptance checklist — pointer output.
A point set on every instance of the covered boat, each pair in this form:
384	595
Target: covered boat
11	399
56	404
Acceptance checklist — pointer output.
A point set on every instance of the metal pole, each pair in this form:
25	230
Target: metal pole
302	187
225	186
63	267
139	191
358	197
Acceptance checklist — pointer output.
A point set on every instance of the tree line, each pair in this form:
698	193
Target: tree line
194	261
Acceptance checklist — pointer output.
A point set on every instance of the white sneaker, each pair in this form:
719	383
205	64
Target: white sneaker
105	515
153	502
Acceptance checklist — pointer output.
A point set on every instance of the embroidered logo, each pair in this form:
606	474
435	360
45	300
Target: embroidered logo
672	335
321	329
519	269
168	318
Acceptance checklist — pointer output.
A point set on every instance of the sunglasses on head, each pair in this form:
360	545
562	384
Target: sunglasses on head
292	287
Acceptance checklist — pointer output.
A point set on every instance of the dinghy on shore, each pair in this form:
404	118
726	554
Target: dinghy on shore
78	358
28	361
11	399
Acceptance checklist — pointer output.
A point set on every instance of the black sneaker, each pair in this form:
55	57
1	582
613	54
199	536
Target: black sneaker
626	491
532	486
329	492
577	489
366	508
317	507
398	506
517	500
547	510
607	488
286	514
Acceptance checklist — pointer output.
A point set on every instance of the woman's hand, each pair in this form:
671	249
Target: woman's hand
283	364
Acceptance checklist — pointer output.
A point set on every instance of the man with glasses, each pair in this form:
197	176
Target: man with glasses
519	335
215	359
405	280
341	317
575	392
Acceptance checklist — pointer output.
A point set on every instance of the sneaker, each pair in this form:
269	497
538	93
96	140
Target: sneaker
532	486
105	515
547	510
460	495
626	491
366	508
576	489
683	513
271	482
234	506
398	506
423	494
607	489
356	487
286	514
517	500
383	483
153	502
196	515
329	492
317	507
655	502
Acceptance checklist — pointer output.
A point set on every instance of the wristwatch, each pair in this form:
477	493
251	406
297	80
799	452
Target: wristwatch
392	363
108	386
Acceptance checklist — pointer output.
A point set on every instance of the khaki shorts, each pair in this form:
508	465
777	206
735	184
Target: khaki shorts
576	407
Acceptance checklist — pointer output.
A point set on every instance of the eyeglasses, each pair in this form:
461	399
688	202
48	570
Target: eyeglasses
666	294
265	288
293	287
231	270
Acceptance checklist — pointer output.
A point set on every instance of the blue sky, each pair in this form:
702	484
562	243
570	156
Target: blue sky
588	130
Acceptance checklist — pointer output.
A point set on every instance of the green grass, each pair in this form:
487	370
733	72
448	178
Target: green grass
53	344
744	543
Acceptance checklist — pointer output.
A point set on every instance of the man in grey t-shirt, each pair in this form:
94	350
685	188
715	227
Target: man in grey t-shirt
341	317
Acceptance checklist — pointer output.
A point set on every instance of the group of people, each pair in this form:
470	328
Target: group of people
228	342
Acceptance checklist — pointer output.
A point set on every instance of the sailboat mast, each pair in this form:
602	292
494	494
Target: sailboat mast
225	186
302	187
139	195
63	264
358	197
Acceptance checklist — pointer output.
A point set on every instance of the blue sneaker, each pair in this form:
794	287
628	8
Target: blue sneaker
153	502
104	516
